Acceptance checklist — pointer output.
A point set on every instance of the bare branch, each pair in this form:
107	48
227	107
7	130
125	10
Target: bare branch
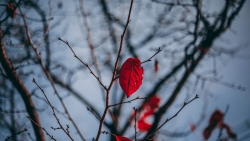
114	74
159	50
217	80
171	4
19	85
42	129
93	113
57	128
135	122
47	73
127	101
53	110
67	43
24	130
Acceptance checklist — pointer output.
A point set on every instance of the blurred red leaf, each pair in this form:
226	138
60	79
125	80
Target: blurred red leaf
152	103
215	119
11	11
207	132
147	113
150	106
121	138
130	78
143	125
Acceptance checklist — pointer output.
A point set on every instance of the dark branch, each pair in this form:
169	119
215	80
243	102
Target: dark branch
53	110
98	79
159	50
167	120
127	101
93	113
9	137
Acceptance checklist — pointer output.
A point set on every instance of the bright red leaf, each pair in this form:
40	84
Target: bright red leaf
130	77
121	138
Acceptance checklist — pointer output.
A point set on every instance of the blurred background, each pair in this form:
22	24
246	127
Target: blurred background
205	51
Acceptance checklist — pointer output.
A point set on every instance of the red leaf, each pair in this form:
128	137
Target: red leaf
130	78
121	138
152	103
207	132
147	113
150	106
11	11
215	119
143	125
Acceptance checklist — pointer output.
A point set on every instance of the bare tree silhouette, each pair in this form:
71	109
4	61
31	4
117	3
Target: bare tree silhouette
171	38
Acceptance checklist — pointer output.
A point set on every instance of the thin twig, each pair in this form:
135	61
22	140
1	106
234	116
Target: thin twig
135	122
67	43
42	128
53	110
93	113
67	128
12	111
8	137
127	101
185	104
173	3
159	50
106	132
56	128
219	82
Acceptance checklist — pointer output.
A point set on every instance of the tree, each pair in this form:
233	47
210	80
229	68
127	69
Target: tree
171	39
